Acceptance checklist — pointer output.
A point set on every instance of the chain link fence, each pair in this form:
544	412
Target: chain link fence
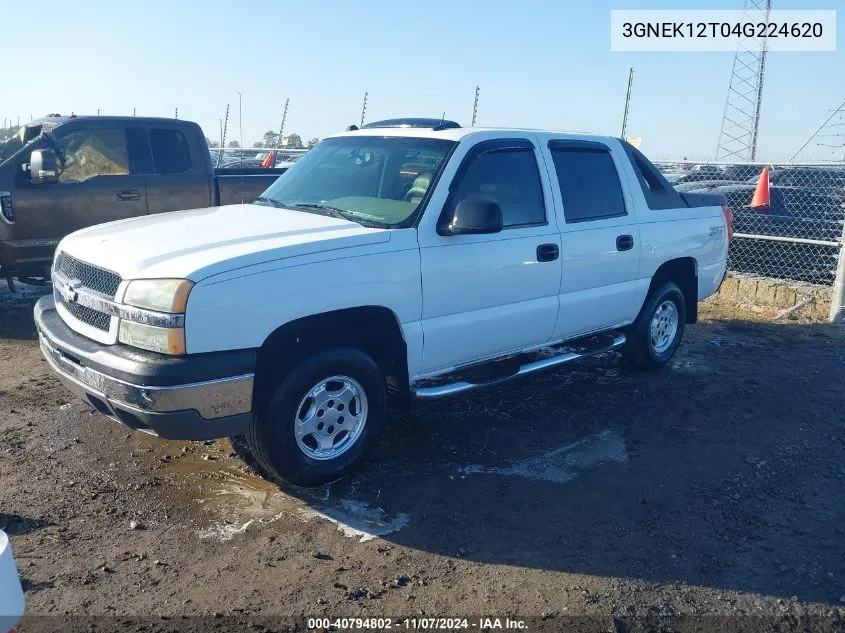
798	237
254	157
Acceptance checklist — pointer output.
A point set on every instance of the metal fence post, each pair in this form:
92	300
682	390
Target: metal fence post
837	303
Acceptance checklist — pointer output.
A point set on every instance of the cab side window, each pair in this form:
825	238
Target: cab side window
509	177
85	154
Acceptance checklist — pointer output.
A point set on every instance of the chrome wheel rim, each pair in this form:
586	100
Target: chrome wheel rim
664	326
330	418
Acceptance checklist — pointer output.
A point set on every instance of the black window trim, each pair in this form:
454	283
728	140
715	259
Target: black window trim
564	145
667	197
481	148
145	160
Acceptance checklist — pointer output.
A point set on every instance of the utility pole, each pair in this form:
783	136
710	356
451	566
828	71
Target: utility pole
627	104
815	134
282	126
475	106
363	109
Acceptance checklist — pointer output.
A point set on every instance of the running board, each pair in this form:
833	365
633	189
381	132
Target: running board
451	389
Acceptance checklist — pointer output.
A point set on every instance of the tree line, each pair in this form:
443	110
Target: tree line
271	139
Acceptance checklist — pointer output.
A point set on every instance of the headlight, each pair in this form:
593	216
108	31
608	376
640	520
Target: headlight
161	295
152	338
158	295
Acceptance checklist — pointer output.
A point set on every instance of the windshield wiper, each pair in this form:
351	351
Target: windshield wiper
341	214
332	211
268	201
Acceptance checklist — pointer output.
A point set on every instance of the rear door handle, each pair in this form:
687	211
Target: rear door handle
624	242
547	252
129	194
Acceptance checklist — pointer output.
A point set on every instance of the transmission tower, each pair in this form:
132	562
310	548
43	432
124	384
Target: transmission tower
741	120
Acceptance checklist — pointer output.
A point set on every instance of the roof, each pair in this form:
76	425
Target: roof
458	134
59	120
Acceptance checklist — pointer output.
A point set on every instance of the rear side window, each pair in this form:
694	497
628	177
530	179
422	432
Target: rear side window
510	178
658	192
170	151
589	184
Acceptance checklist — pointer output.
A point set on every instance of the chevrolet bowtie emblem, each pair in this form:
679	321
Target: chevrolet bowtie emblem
69	290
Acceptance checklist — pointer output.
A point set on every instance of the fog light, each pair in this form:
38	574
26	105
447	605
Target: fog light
152	338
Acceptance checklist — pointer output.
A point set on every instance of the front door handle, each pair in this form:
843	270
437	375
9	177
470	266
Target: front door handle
129	194
624	242
547	252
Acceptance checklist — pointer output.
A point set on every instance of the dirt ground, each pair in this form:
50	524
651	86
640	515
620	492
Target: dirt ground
593	495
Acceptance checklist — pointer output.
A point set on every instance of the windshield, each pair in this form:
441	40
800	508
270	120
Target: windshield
371	180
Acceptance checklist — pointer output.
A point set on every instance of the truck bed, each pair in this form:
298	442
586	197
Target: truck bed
235	186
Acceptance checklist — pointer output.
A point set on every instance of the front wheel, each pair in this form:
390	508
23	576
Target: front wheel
322	419
655	336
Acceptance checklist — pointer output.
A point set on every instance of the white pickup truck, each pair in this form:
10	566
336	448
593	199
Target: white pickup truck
407	260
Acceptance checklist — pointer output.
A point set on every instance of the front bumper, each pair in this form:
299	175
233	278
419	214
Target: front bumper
194	397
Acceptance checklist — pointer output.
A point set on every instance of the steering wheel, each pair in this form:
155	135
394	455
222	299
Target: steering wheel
414	191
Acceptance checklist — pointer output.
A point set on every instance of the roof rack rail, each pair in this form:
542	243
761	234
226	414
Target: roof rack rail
414	122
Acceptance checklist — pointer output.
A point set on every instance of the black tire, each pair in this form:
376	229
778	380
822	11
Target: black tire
638	349
272	439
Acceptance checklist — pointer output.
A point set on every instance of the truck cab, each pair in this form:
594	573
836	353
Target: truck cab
397	263
61	174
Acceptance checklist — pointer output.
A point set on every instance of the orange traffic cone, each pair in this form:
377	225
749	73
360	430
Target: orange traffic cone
270	160
761	198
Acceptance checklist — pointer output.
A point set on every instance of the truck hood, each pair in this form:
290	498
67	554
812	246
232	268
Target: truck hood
203	242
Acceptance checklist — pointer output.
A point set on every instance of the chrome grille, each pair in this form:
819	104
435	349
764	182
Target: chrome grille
103	281
88	316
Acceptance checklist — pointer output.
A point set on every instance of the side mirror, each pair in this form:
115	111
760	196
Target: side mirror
43	167
474	217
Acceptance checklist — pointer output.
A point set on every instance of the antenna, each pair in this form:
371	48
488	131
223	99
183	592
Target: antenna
363	109
176	114
133	111
282	126
443	118
627	103
741	118
474	106
241	134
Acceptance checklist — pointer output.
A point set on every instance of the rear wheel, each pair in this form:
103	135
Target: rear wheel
322	419
654	337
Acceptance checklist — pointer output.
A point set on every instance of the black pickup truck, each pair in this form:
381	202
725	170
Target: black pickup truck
60	174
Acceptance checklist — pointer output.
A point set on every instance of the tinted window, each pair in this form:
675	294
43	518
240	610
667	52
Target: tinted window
140	160
510	178
589	184
170	152
85	154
